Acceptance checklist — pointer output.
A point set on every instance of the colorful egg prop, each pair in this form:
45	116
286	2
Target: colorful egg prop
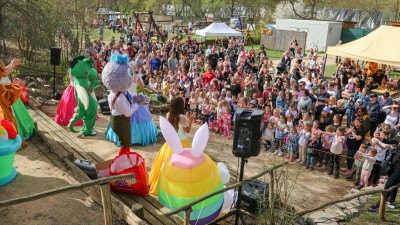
189	175
8	148
185	179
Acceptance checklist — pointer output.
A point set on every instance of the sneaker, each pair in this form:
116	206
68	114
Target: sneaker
287	157
318	165
311	168
323	167
348	172
359	187
302	162
373	208
276	152
298	161
330	172
373	185
336	176
291	159
349	178
280	153
356	184
391	205
344	169
307	167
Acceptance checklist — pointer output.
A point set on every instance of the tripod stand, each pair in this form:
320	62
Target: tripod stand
54	94
236	212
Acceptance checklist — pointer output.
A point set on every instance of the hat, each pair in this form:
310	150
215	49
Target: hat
327	109
304	107
254	102
373	95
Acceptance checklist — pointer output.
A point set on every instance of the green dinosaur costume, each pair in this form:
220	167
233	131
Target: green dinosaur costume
84	85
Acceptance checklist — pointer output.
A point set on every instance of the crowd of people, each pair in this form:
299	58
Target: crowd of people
304	111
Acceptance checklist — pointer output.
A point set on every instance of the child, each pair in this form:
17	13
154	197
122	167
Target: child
358	163
337	120
293	144
312	146
267	114
220	116
205	110
304	137
279	135
336	150
326	146
192	102
369	161
268	136
227	119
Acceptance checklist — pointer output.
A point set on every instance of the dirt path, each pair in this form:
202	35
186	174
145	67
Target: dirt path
311	188
37	173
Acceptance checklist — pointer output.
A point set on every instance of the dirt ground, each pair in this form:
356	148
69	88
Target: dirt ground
37	173
311	188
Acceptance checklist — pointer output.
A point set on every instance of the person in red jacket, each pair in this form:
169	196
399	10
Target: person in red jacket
208	76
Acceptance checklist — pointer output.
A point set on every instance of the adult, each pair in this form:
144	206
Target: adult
155	63
213	58
363	113
374	111
293	46
182	124
287	60
305	101
393	180
208	76
385	100
322	98
354	139
378	79
393	117
172	62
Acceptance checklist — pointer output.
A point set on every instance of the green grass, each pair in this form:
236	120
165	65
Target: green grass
392	216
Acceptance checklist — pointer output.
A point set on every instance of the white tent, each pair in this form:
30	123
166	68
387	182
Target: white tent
380	46
218	29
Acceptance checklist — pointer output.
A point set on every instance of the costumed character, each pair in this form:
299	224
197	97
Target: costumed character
84	84
143	129
10	142
191	174
182	123
118	77
9	94
25	123
67	105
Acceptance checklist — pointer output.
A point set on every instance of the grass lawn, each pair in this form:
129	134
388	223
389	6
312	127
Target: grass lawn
392	216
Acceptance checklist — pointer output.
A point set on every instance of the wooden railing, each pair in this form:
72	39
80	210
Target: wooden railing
188	207
104	189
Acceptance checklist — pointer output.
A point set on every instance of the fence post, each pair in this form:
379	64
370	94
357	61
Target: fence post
106	200
187	216
271	196
382	207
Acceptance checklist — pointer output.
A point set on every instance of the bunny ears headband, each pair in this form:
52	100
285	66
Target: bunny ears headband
198	144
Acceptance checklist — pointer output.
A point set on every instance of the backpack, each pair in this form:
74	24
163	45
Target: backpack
389	163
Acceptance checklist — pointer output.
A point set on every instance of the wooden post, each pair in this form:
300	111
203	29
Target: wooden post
271	196
382	207
187	216
107	207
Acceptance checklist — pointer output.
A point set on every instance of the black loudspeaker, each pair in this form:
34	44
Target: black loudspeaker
104	107
55	56
247	138
255	196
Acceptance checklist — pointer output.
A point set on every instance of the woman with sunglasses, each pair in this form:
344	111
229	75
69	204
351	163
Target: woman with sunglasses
363	113
393	117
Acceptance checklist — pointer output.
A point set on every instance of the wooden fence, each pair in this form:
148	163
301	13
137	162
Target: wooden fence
104	189
280	39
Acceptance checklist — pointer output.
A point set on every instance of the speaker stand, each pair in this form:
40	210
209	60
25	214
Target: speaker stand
53	94
236	212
